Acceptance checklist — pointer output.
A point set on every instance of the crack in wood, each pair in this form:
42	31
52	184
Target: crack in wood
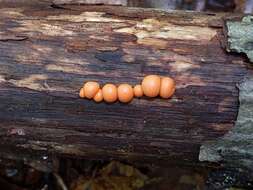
56	6
5	38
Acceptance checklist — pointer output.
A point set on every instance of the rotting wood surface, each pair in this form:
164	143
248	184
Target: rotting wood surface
46	54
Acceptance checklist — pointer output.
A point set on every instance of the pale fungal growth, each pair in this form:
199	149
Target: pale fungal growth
151	86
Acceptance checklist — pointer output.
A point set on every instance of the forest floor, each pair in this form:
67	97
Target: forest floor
78	174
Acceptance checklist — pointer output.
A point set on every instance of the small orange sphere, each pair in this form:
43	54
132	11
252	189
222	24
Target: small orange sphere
90	89
125	93
99	96
167	87
138	92
81	93
109	92
151	85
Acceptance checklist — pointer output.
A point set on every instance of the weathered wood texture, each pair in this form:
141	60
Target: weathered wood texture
46	54
15	3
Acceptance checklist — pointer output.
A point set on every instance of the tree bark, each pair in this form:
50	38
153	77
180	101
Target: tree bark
46	54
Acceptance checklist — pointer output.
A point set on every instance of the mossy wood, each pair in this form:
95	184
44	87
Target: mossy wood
46	54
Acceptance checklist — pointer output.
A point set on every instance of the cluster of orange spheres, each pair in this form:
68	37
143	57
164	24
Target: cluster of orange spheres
151	86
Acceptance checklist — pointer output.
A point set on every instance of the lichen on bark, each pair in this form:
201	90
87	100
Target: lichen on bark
235	148
240	36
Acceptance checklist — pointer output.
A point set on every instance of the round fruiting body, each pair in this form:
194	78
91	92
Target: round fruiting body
109	92
90	89
81	93
125	93
99	96
138	92
151	85
167	88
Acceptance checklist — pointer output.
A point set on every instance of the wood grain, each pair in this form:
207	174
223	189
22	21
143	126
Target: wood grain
47	54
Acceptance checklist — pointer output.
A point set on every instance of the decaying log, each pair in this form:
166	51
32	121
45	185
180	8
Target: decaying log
46	54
